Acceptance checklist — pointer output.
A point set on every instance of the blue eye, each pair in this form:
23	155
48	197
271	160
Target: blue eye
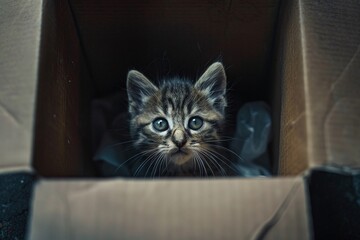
195	123
160	124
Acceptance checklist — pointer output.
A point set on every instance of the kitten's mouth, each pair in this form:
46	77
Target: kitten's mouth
180	151
179	156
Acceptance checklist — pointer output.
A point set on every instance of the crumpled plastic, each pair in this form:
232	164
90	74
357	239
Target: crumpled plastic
251	139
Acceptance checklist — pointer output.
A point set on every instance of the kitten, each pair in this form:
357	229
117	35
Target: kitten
176	126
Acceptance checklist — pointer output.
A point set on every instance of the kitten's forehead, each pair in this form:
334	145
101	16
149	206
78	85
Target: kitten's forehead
176	89
178	97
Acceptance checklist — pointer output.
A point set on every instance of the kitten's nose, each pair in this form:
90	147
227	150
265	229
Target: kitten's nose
179	138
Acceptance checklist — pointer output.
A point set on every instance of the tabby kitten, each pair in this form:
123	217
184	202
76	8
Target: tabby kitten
176	126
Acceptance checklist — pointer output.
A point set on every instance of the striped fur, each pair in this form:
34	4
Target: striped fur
179	150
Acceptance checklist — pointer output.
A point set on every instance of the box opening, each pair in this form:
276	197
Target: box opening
88	48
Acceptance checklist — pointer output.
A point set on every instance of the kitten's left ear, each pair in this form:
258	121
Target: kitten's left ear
213	82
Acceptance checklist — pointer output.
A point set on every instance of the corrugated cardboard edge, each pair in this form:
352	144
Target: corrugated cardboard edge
171	209
289	75
15	169
20	31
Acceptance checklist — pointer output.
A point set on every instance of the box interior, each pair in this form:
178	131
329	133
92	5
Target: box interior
87	48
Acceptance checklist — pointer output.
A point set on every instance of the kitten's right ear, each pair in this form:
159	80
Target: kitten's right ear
139	88
213	81
213	84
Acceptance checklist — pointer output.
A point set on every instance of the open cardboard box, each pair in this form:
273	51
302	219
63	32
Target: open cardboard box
302	57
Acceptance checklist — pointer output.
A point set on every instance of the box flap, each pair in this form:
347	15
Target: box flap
171	209
19	46
331	52
320	56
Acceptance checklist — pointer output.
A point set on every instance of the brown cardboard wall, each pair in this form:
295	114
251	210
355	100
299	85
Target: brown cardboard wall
62	120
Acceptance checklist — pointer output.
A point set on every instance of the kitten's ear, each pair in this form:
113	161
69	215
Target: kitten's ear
213	81
139	88
213	84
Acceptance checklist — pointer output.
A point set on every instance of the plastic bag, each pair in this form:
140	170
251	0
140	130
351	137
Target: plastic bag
252	135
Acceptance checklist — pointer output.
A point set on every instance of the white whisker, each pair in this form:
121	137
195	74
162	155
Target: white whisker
135	157
138	169
213	160
226	149
221	158
203	165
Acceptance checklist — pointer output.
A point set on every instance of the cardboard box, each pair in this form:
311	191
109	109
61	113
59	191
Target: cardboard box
57	55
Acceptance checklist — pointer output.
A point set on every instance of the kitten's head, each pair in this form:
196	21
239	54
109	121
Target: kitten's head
178	119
